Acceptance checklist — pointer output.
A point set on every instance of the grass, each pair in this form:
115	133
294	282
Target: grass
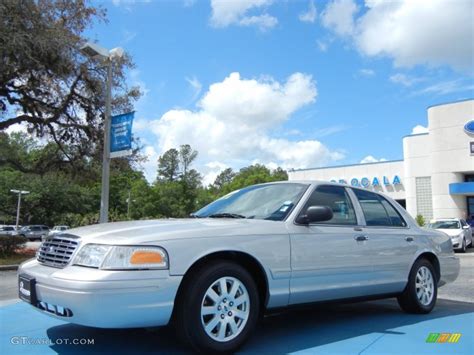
18	257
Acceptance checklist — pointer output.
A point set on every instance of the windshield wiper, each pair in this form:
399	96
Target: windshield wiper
226	215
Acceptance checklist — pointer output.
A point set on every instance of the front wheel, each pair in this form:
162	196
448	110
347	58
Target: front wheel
421	291
463	246
218	310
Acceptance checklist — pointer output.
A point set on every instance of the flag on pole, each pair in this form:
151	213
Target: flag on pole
121	135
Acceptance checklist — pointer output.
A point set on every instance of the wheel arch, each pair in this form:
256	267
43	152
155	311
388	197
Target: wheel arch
249	262
433	259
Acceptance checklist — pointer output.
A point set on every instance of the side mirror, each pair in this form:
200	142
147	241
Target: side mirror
465	227
315	214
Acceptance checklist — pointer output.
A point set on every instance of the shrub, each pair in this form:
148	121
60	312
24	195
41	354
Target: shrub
10	244
420	220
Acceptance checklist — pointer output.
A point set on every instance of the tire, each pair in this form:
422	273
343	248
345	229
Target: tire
191	320
463	247
423	301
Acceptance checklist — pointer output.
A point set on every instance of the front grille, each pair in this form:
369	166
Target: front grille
58	250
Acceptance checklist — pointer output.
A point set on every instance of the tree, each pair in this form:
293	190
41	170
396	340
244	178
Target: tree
187	155
47	83
225	177
168	165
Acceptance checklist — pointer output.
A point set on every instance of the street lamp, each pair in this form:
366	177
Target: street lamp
97	52
19	192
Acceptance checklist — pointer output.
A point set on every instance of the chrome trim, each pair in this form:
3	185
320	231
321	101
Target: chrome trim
58	250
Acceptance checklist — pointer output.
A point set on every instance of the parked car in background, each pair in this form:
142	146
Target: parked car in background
458	229
34	232
58	229
8	231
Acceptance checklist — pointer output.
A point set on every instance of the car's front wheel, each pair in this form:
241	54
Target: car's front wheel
421	291
463	246
218	308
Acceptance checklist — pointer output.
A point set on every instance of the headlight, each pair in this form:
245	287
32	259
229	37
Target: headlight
111	257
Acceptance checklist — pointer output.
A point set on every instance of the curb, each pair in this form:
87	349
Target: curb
8	267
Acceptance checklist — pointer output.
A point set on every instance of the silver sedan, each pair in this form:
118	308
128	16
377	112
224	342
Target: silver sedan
261	247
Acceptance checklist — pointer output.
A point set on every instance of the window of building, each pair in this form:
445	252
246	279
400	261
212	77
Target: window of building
424	197
336	198
378	211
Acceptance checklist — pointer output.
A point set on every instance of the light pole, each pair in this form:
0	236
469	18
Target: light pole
94	51
19	192
129	201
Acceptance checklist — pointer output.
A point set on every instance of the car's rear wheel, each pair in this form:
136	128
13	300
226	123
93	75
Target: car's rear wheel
218	309
421	291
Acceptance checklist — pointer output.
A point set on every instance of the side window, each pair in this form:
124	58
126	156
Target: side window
463	223
377	210
336	198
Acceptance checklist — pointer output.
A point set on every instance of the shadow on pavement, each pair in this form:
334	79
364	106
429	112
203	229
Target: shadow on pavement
290	331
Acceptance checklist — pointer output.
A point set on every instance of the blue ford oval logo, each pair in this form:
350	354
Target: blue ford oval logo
469	127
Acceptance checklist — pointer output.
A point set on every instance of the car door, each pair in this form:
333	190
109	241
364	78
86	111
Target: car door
327	261
393	244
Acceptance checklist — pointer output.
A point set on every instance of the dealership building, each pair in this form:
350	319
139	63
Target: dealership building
434	179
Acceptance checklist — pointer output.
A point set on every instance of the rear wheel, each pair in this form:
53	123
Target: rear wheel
421	291
218	310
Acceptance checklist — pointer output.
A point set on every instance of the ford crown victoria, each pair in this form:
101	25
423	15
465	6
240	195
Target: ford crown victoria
262	247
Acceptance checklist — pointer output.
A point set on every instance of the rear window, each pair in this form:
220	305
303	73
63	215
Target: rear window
378	211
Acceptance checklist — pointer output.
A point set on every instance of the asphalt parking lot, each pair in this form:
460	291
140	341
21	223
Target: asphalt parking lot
377	327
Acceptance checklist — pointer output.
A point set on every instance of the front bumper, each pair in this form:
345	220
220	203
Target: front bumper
106	299
457	243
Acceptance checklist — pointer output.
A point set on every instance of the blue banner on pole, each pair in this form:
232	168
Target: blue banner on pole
121	135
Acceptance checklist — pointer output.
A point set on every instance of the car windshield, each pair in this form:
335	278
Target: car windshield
445	225
8	228
269	201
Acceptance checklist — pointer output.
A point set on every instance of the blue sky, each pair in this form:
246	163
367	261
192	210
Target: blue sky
289	83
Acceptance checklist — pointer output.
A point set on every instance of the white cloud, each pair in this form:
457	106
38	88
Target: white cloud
211	170
329	131
263	22
236	12
412	32
371	159
233	122
17	127
366	72
405	80
322	45
195	85
447	87
150	166
339	16
310	14
419	129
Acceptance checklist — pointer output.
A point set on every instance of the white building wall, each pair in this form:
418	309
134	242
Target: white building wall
416	163
443	155
450	155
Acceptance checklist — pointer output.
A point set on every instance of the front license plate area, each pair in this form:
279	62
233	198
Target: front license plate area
27	289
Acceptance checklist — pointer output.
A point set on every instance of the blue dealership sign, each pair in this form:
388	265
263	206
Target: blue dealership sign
121	135
469	127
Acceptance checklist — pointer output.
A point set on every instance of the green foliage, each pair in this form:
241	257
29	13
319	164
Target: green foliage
420	220
60	196
10	244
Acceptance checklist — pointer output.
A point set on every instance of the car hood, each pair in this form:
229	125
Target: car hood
165	229
451	232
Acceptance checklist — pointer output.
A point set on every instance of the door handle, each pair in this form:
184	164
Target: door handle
361	238
409	239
